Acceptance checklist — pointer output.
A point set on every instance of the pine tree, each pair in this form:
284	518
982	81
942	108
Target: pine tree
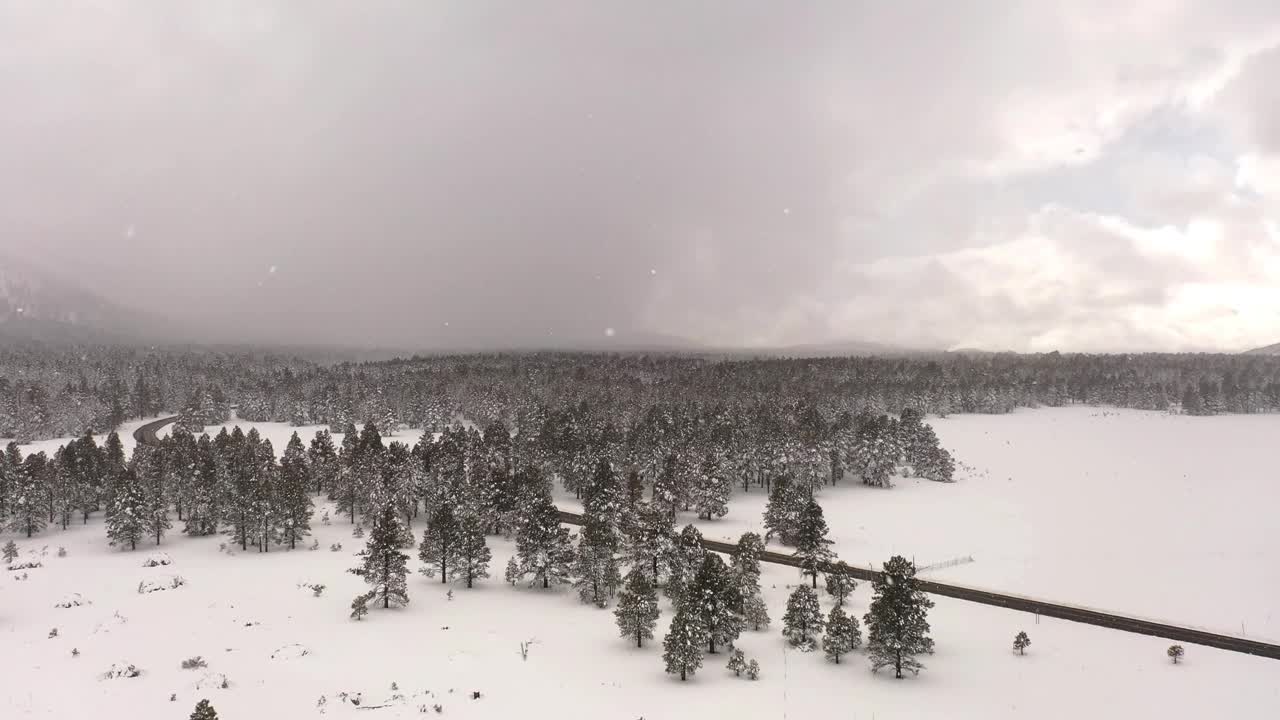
715	598
684	643
686	558
840	583
637	610
295	508
512	574
1175	653
384	565
27	508
648	540
207	491
595	569
843	634
544	547
10	552
711	489
782	513
812	546
897	624
151	474
803	619
745	565
126	523
753	670
322	462
755	612
737	662
439	542
1021	642
204	711
470	561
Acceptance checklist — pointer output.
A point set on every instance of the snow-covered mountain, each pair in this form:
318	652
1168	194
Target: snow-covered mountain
1268	350
36	305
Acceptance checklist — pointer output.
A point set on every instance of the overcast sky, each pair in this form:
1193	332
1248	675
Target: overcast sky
1087	175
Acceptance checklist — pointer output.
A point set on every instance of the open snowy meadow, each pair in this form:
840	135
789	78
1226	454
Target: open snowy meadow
1136	512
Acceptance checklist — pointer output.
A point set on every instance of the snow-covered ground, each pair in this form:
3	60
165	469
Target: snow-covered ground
49	447
1050	530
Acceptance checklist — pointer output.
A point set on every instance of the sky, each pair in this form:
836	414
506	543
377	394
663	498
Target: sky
997	174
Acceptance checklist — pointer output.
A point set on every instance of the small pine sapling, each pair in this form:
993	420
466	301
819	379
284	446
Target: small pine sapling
737	662
753	670
1175	653
843	634
360	606
512	575
1021	642
204	711
10	552
840	584
803	619
755	613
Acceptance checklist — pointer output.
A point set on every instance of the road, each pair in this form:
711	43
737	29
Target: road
147	433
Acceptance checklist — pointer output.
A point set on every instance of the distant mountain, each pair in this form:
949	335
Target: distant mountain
36	305
1268	350
839	348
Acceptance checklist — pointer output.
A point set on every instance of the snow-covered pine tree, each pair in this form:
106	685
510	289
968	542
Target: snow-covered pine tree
207	491
1021	642
755	612
384	565
294	502
349	485
637	610
9	552
686	558
711	489
714	597
512	573
667	494
544	547
802	622
126	523
840	583
113	467
753	670
897	622
439	542
149	465
782	512
471	556
648	540
180	451
812	546
322	462
843	634
27	507
1175	653
684	643
595	567
204	711
737	662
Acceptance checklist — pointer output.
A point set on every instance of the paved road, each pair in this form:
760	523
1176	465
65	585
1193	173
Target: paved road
1025	604
147	433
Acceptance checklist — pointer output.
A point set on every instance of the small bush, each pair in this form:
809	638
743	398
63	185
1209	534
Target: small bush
26	565
336	547
157	559
62	552
194	662
122	670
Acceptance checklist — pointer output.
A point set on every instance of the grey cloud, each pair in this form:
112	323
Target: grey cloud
524	172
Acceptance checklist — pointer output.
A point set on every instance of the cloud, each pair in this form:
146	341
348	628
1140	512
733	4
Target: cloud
680	168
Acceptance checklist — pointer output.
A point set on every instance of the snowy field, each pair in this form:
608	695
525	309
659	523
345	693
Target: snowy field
1037	510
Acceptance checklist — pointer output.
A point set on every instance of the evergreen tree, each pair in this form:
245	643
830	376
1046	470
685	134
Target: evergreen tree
595	569
126	523
151	474
27	505
113	469
715	598
1175	653
241	490
737	662
684	643
686	558
10	552
637	611
812	546
648	540
803	619
843	634
544	547
207	490
204	711
840	583
755	612
782	513
711	489
322	462
512	573
383	566
1021	642
439	542
897	624
294	504
470	561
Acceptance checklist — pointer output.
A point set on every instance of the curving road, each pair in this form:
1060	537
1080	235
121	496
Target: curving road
147	434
